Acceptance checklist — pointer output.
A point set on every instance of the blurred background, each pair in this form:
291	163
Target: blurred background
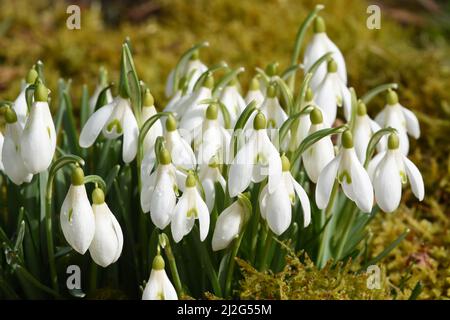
412	48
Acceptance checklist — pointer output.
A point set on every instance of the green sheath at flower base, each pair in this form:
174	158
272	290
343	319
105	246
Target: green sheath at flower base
77	176
361	110
309	95
31	76
164	157
158	263
272	69
209	82
212	112
191	182
10	115
316	116
259	122
319	25
285	163
148	99
347	139
391	97
393	141
332	66
171	123
98	196
195	55
41	92
254	84
233	82
271	91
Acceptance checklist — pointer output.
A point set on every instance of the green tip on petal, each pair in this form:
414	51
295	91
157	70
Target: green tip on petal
347	139
148	99
271	91
316	116
319	25
260	121
31	76
212	111
332	66
393	141
191	182
272	69
171	123
209	81
285	163
309	95
41	92
10	115
164	156
77	176
391	97
361	110
98	196
195	55
158	263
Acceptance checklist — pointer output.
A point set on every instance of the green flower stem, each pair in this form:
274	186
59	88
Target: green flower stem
30	278
232	262
347	227
268	245
324	253
173	266
254	223
93	272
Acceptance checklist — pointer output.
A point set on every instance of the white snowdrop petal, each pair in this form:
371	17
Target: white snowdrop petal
240	174
203	216
387	184
325	182
148	184
415	178
362	186
169	290
162	201
412	124
304	202
278	211
94	125
178	225
130	136
227	227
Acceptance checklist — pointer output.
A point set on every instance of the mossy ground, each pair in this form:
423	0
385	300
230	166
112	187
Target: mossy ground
254	33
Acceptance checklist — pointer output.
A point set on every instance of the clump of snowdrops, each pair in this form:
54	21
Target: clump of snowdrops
178	195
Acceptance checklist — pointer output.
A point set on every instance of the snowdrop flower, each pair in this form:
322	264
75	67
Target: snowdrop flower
193	69
190	207
229	224
20	104
193	112
159	191
320	45
254	93
178	100
113	120
364	130
332	93
180	151
102	84
398	117
106	246
276	207
38	140
209	175
256	159
391	169
233	101
272	109
10	154
159	286
320	153
77	217
350	174
300	127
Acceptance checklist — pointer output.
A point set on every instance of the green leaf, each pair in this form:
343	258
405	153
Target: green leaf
416	291
290	71
286	126
286	93
111	177
377	90
19	239
388	249
263	75
69	124
240	123
97	180
226	79
102	97
354	107
214	68
85	110
376	137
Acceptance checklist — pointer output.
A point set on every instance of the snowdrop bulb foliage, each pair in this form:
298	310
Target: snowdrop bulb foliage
256	159
189	208
180	151
331	93
272	109
10	155
38	141
106	246
276	207
398	117
102	84
320	44
77	217
20	104
254	93
233	101
350	174
113	120
316	157
158	286
390	170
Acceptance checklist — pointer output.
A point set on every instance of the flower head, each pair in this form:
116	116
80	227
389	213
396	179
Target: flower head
272	109
159	286
233	101
254	93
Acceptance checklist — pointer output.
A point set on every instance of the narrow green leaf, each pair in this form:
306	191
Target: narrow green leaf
388	249
377	90
376	137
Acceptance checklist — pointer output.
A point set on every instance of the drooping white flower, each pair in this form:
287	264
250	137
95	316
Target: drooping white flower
233	101
106	246
209	175
10	150
20	104
192	71
276	207
332	93
398	117
255	160
101	85
178	101
300	127
320	44
77	218
316	157
229	224
180	151
272	109
254	93
159	191
113	120
38	140
391	169
159	286
189	208
350	174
